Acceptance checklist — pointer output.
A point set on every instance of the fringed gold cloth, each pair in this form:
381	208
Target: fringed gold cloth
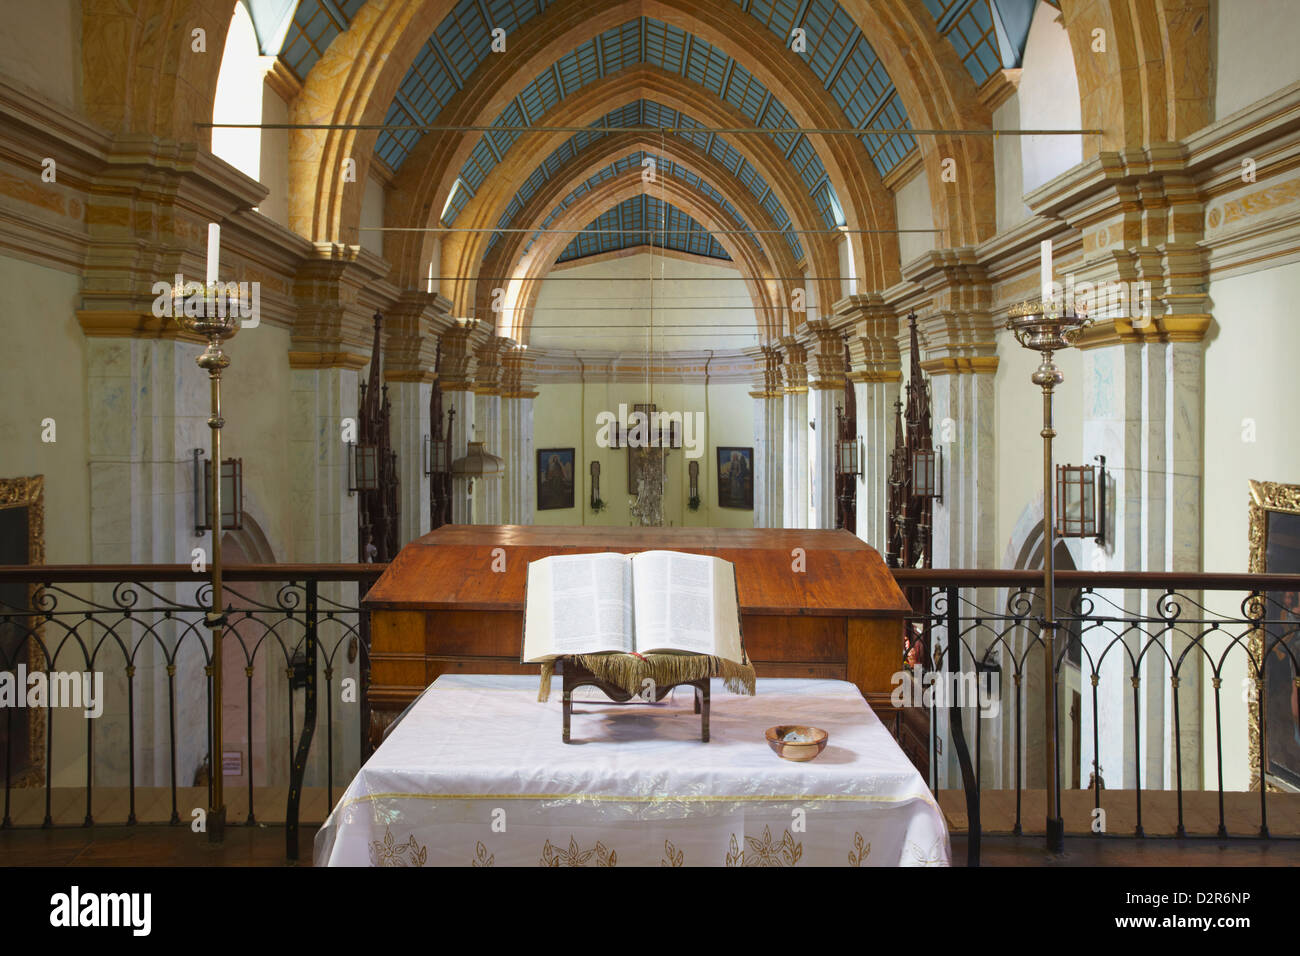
629	672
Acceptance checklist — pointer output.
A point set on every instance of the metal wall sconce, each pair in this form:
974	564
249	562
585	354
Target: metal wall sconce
1081	500
437	456
927	473
232	494
693	472
596	504
848	456
363	468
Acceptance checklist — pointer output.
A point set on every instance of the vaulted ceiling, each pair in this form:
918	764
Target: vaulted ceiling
710	95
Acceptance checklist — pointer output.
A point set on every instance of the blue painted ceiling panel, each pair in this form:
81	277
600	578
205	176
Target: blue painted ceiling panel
643	220
648	113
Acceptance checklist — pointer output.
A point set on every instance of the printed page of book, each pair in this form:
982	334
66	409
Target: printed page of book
726	612
578	604
673	602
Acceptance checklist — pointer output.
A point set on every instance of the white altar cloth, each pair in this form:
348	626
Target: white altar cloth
476	774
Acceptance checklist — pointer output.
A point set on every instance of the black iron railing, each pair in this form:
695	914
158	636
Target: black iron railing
1120	638
141	627
1119	635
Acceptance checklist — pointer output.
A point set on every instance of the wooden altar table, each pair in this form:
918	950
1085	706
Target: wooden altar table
452	602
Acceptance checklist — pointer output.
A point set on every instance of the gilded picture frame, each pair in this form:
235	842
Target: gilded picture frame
29	494
1274	539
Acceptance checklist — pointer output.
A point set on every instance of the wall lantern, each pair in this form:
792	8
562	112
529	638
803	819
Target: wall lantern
848	456
1081	500
437	455
927	473
363	468
232	494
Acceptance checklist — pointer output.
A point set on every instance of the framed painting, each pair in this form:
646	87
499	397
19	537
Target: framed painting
1275	549
22	541
736	478
555	471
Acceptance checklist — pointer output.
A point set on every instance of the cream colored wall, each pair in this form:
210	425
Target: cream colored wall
1008	167
372	216
1255	51
1250	379
275	158
914	211
557	424
614	298
40	47
1049	99
1018	446
43	368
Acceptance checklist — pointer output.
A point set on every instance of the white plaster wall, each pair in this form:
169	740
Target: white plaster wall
1008	167
619	306
274	173
43	370
1249	377
372	216
1255	51
914	211
1049	99
40	47
557	424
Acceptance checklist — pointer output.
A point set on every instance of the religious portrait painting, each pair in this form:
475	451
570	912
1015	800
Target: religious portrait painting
555	470
736	478
1275	549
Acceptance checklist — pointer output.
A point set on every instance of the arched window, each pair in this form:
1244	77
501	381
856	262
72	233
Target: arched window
239	96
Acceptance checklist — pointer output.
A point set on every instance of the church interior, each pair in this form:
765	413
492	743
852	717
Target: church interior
957	328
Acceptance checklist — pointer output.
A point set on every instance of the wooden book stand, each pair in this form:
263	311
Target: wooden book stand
575	676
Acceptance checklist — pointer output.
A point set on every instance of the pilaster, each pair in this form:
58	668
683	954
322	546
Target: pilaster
794	390
518	390
960	347
876	371
768	432
825	394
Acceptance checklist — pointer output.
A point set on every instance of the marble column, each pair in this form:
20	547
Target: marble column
409	426
794	378
517	394
875	368
489	494
1144	412
768	432
147	409
826	394
459	344
412	326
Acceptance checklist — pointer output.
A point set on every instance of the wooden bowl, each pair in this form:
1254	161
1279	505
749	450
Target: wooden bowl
792	750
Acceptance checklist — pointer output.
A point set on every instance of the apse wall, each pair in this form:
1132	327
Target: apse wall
564	416
614	297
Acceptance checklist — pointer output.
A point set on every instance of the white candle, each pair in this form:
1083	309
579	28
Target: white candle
1045	269
214	251
430	289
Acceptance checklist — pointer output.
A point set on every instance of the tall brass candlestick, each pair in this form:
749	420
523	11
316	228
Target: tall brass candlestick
1046	329
213	316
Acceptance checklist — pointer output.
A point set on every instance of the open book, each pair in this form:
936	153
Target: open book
651	602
